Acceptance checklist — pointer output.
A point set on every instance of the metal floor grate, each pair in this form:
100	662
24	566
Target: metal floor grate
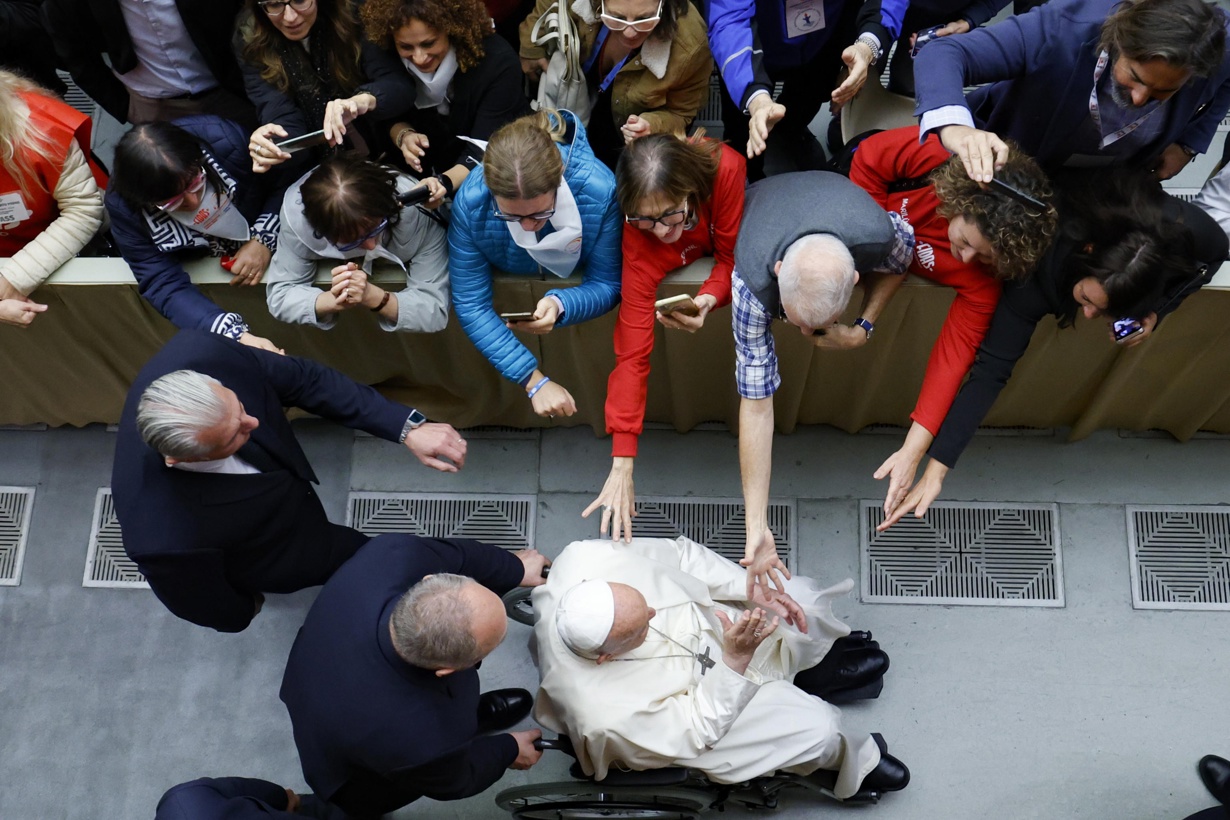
15	506
1180	557
718	523
982	554
106	563
504	520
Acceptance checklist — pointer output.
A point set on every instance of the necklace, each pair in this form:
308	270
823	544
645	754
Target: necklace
705	660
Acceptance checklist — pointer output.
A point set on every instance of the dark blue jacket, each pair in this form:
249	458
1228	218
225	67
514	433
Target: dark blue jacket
208	542
375	733
160	275
224	798
1040	69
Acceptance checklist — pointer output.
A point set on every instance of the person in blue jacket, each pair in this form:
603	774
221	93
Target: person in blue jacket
186	189
239	798
540	202
1081	83
948	17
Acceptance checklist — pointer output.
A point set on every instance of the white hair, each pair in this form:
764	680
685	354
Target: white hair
816	279
175	409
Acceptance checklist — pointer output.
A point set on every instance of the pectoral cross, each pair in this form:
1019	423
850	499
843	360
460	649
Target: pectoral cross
706	662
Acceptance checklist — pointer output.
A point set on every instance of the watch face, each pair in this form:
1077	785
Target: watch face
416	419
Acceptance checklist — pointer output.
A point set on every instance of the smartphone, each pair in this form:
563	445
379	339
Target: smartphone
522	316
294	144
1126	329
922	38
683	303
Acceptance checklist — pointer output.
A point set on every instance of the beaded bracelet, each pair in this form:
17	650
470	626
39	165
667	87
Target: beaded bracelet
537	387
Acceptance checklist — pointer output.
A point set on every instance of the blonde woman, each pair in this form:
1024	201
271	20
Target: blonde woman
50	201
540	202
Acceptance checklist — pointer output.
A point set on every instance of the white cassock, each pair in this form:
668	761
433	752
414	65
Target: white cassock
652	707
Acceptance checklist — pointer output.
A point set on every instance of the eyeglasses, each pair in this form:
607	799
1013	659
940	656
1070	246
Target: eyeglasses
376	231
194	187
670	219
538	217
276	8
642	25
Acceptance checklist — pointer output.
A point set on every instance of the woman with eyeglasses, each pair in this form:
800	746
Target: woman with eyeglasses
967	236
355	212
682	200
307	67
467	80
1125	250
540	203
647	63
185	189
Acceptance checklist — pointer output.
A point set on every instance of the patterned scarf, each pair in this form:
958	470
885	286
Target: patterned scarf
311	81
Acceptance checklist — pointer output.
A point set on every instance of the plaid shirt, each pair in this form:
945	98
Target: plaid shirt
756	374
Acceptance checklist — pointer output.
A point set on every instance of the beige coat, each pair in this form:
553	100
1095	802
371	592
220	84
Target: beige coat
667	83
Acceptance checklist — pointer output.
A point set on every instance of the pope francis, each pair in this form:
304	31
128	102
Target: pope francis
652	655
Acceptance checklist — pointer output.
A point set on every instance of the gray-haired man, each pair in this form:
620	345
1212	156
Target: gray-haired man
212	491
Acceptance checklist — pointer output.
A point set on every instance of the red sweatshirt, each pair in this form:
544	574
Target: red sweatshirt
647	260
896	155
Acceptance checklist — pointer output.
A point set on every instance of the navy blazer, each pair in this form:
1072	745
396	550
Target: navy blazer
375	733
1040	69
224	798
209	542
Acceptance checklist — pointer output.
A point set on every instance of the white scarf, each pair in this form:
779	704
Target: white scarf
433	87
370	257
560	251
215	216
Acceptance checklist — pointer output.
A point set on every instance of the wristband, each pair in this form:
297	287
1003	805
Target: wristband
530	393
383	302
446	182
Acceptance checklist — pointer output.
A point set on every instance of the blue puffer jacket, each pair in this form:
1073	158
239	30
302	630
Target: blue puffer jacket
477	241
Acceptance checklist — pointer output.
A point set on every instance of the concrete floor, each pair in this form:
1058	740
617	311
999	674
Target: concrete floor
1090	711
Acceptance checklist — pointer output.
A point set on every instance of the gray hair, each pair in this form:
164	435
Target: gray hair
175	409
816	279
1187	34
431	624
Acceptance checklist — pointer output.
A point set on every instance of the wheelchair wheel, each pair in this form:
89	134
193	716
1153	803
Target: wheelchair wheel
518	605
584	800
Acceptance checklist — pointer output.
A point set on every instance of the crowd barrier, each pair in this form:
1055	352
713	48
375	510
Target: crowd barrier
73	365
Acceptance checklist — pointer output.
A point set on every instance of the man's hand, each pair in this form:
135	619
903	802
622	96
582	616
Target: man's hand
252	340
618	501
1173	160
262	150
1146	330
433	442
534	68
763	114
553	400
921	497
19	311
634	129
340	113
249	263
981	152
527	755
764	566
546	313
772	600
841	337
740	638
534	562
679	321
857	58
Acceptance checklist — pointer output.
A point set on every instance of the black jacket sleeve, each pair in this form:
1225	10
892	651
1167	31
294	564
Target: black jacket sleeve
1209	243
192	584
76	34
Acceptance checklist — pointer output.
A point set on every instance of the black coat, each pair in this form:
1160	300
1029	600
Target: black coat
209	542
375	733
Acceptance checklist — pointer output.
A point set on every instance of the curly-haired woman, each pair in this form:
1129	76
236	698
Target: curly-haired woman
467	79
966	236
306	67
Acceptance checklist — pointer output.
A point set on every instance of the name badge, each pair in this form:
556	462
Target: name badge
803	17
13	209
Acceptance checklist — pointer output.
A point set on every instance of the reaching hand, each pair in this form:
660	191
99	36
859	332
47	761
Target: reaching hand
534	562
527	755
900	469
260	342
981	152
340	113
618	500
764	566
857	58
553	400
19	311
786	607
413	146
433	442
265	154
921	497
764	114
741	637
841	337
249	263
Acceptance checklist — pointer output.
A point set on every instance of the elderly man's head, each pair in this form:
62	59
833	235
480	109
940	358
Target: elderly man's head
815	278
188	416
1156	46
599	620
447	622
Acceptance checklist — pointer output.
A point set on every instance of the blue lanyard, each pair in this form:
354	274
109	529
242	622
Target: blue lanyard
593	58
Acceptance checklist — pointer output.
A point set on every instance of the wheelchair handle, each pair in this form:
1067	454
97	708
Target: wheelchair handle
560	744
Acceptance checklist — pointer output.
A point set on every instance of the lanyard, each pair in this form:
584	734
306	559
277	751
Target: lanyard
1119	134
593	59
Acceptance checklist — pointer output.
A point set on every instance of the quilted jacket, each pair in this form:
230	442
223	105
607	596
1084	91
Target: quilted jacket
477	242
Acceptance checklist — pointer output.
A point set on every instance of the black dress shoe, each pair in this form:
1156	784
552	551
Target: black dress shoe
891	775
501	709
1215	773
844	673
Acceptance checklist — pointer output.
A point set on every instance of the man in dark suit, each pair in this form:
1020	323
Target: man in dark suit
239	798
214	495
382	682
167	58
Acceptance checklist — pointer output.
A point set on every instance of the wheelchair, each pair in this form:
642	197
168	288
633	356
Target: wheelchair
673	793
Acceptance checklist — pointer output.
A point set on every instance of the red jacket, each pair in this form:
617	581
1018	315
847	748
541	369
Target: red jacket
896	155
647	260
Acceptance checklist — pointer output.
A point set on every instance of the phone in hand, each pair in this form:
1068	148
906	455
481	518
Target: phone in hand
294	144
1126	329
683	303
922	38
416	195
518	316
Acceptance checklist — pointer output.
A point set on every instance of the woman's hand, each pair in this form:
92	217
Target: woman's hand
681	321
340	113
634	129
921	497
553	400
1146	330
902	465
265	154
19	311
249	263
437	193
349	285
412	144
545	314
534	68
618	501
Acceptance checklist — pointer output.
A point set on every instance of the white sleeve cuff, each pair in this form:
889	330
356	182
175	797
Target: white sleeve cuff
944	115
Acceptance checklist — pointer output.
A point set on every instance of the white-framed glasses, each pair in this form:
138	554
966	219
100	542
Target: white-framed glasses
643	25
276	8
194	187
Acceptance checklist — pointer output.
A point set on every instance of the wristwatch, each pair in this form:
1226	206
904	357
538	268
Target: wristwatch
865	325
413	422
872	42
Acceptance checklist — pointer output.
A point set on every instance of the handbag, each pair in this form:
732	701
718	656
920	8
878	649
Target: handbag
562	85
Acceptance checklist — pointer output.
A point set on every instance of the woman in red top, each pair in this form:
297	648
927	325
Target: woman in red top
682	200
968	236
